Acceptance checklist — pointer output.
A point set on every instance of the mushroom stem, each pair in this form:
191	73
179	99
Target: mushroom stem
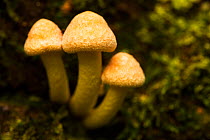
107	109
88	84
57	77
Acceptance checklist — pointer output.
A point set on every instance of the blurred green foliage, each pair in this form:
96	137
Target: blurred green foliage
170	39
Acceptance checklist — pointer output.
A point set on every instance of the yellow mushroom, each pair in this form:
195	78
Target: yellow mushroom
44	39
122	72
88	35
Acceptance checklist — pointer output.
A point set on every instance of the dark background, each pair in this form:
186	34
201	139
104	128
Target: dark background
170	39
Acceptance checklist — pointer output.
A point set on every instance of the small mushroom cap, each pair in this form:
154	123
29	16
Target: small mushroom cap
88	31
123	70
44	36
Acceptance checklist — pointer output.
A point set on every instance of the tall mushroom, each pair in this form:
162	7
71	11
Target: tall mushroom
44	39
88	34
122	72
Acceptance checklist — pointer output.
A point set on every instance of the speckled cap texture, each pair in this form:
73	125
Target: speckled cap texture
44	36
88	31
123	70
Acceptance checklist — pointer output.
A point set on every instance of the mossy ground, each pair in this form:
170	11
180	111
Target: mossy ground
32	118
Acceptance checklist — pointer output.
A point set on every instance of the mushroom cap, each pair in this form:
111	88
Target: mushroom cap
88	31
123	70
44	36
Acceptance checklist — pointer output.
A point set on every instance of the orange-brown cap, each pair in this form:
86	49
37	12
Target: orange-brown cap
88	31
123	70
44	36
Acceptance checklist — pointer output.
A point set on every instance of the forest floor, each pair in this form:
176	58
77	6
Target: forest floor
33	118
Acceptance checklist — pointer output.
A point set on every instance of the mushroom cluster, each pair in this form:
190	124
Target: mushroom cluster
88	35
